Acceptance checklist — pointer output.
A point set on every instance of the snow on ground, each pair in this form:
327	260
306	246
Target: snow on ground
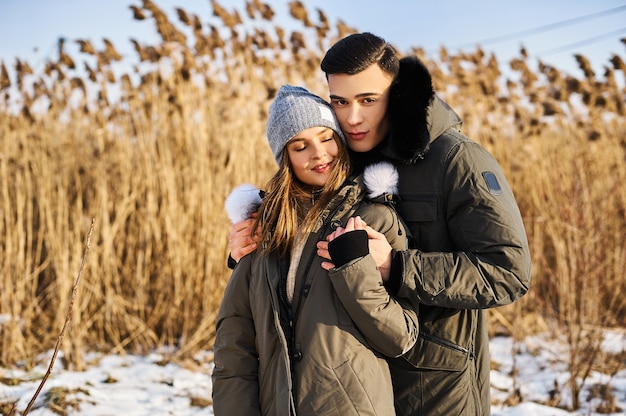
541	367
135	385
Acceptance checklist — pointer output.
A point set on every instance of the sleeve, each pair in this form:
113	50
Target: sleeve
389	324
491	266
348	247
231	263
235	372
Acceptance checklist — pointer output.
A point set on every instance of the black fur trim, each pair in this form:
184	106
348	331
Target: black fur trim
410	95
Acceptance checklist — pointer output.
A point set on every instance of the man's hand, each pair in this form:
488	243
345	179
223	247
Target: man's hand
240	241
378	246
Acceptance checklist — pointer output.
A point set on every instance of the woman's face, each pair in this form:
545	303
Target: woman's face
312	153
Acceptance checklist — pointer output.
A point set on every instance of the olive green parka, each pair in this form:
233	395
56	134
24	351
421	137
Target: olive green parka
341	327
469	249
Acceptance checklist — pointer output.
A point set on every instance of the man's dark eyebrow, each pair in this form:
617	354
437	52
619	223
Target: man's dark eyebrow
361	95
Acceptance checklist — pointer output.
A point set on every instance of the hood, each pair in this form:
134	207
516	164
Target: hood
242	202
380	181
416	115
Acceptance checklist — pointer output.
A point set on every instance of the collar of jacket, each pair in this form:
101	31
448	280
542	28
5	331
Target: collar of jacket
347	198
416	115
377	180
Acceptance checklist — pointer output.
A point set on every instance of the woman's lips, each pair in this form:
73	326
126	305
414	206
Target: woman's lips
322	168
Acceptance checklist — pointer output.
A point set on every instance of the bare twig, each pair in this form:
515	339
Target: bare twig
67	320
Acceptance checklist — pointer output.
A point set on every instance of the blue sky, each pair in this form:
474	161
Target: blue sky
29	29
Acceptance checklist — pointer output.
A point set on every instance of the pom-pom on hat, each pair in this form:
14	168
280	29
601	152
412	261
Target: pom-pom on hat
293	110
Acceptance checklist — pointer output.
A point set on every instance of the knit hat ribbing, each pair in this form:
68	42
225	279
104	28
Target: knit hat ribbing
293	110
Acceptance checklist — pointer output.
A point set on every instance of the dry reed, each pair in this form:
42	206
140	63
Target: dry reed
152	153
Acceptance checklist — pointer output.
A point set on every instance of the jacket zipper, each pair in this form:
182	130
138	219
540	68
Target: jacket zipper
447	344
294	315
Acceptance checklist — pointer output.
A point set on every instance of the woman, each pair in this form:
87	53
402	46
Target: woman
290	337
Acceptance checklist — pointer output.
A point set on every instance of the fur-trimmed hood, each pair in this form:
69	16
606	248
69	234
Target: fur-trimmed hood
380	179
416	115
242	202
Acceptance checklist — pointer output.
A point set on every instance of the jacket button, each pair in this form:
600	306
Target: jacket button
297	355
306	290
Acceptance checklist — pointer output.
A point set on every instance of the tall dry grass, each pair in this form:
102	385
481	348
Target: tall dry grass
152	166
150	148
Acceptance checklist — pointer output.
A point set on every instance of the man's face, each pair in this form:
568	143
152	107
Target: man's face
360	103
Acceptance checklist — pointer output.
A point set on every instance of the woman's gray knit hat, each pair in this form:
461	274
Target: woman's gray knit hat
295	109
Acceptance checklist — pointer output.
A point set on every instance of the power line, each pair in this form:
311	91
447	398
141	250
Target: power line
544	28
581	42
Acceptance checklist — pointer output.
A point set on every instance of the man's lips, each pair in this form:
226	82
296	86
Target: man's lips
357	135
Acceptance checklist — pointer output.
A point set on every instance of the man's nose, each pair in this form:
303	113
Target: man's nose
354	117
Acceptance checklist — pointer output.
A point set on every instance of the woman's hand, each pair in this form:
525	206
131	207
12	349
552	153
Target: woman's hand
377	242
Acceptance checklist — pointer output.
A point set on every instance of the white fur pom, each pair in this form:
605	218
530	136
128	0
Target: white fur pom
380	178
242	202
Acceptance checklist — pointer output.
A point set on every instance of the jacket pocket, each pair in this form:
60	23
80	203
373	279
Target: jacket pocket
340	392
433	353
418	208
364	384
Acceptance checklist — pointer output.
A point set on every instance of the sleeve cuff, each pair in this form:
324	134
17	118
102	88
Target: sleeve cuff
231	262
348	247
395	274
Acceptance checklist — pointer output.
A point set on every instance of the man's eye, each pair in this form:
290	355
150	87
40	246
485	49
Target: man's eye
338	103
369	100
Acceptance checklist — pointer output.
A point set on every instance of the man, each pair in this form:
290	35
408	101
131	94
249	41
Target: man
469	247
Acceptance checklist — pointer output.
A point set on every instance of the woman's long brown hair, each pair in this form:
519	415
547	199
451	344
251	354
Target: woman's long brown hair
286	208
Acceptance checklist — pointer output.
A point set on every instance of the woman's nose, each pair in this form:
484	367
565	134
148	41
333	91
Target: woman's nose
318	150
